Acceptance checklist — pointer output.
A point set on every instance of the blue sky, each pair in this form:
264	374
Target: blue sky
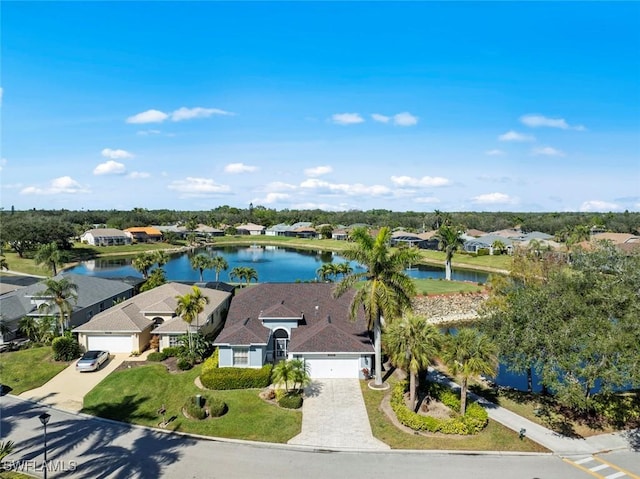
480	106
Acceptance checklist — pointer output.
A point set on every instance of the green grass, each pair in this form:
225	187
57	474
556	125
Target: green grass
494	437
13	475
135	395
29	368
437	286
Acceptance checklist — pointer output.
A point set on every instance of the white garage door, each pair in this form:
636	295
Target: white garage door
111	343
333	367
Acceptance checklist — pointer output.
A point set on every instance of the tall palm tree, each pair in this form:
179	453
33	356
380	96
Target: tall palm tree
219	263
449	240
189	306
201	262
64	294
50	255
412	343
244	273
326	271
468	354
160	258
143	263
344	269
386	290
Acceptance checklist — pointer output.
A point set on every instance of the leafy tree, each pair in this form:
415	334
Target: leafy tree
449	240
50	255
499	246
469	354
386	291
38	330
219	263
170	237
200	262
63	294
326	231
411	344
189	306
156	278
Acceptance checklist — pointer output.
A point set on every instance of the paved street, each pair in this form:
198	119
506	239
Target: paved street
82	447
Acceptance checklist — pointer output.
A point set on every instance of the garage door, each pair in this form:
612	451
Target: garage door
111	343
333	367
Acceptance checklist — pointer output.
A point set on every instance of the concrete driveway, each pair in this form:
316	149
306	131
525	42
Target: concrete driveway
334	416
67	389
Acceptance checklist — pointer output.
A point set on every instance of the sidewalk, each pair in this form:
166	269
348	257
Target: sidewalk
561	445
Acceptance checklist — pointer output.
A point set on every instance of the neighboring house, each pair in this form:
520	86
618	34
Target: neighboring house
94	296
105	237
623	241
473	245
250	229
399	238
270	322
340	234
128	326
278	230
303	232
144	234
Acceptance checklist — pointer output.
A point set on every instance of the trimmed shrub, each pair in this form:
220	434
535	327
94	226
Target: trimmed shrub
474	420
171	351
289	400
184	364
194	409
65	349
212	361
236	378
217	407
156	356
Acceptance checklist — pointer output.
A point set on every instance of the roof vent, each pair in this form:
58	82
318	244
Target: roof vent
329	319
246	321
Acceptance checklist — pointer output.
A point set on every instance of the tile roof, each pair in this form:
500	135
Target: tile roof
124	318
325	325
149	230
105	232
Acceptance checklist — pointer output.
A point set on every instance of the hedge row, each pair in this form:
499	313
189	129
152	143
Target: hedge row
289	399
474	420
236	378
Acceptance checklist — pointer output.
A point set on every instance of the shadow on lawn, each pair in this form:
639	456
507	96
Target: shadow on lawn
125	411
98	448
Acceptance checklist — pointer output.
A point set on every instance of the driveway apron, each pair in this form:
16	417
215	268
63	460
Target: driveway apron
334	416
67	389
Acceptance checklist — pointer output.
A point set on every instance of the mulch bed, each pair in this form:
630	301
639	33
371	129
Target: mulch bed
170	363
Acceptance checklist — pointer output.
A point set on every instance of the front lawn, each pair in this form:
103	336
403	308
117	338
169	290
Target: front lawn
494	437
28	368
438	286
136	394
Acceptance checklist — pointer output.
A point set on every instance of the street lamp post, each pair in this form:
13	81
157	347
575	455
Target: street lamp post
44	419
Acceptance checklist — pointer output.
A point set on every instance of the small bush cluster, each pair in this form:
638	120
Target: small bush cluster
171	352
194	408
156	356
65	348
474	420
288	400
217	407
184	364
236	378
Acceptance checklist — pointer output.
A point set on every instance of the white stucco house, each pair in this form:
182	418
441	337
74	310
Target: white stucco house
105	237
129	326
270	322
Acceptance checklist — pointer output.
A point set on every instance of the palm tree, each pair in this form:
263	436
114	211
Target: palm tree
244	273
282	373
160	258
62	293
387	290
189	306
50	255
411	343
469	354
6	448
449	240
201	262
499	246
219	263
344	269
143	263
326	271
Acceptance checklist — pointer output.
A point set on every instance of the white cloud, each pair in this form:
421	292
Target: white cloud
346	118
494	152
116	154
318	171
198	187
138	175
61	185
537	121
235	168
198	112
424	182
380	118
426	199
149	116
405	119
109	168
598	206
272	198
492	198
515	136
279	186
3	163
547	151
324	187
148	132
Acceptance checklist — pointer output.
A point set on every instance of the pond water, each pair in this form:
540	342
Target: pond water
273	264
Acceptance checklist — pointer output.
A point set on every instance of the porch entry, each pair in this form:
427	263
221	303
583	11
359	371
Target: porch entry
280	344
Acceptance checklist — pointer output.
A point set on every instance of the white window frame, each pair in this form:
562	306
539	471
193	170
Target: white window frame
240	356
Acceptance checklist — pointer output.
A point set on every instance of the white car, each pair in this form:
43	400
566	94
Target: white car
92	360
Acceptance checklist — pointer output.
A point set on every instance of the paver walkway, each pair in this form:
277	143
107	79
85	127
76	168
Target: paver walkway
334	416
559	444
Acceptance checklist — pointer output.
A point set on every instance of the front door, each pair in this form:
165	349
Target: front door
280	344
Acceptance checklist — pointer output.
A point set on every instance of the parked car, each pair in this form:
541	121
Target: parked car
92	360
